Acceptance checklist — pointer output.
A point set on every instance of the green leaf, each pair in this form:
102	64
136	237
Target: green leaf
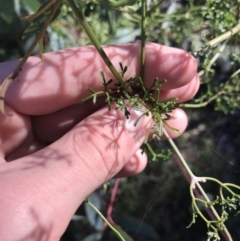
91	90
103	76
109	82
32	4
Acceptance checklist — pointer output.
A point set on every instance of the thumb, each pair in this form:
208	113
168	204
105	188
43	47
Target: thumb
106	141
56	179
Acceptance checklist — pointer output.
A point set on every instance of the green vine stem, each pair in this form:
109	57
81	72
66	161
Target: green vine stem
6	83
79	15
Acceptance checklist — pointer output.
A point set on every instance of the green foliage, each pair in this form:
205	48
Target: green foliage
221	15
226	204
210	26
139	97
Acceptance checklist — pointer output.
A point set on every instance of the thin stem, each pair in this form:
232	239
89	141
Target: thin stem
6	83
221	193
40	51
224	36
195	206
175	148
202	104
232	185
79	15
109	224
224	232
223	185
112	199
195	182
39	12
211	62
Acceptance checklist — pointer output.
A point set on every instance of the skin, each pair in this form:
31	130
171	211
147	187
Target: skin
54	153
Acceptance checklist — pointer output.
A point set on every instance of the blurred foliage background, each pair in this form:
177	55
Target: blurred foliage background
156	205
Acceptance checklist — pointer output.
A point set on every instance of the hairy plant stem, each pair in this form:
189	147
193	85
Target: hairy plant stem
6	83
195	182
79	15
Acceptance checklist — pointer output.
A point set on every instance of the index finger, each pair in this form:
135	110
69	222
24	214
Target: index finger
63	78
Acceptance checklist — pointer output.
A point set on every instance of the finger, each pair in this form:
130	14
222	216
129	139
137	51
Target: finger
58	178
49	128
179	121
183	93
27	147
134	166
63	78
174	65
14	129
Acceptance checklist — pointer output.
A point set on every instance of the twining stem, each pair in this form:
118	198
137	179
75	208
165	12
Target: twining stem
4	86
195	181
79	15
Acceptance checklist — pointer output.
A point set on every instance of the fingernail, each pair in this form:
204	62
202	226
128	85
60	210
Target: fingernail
139	123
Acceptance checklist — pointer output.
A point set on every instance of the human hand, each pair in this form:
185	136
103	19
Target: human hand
55	152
